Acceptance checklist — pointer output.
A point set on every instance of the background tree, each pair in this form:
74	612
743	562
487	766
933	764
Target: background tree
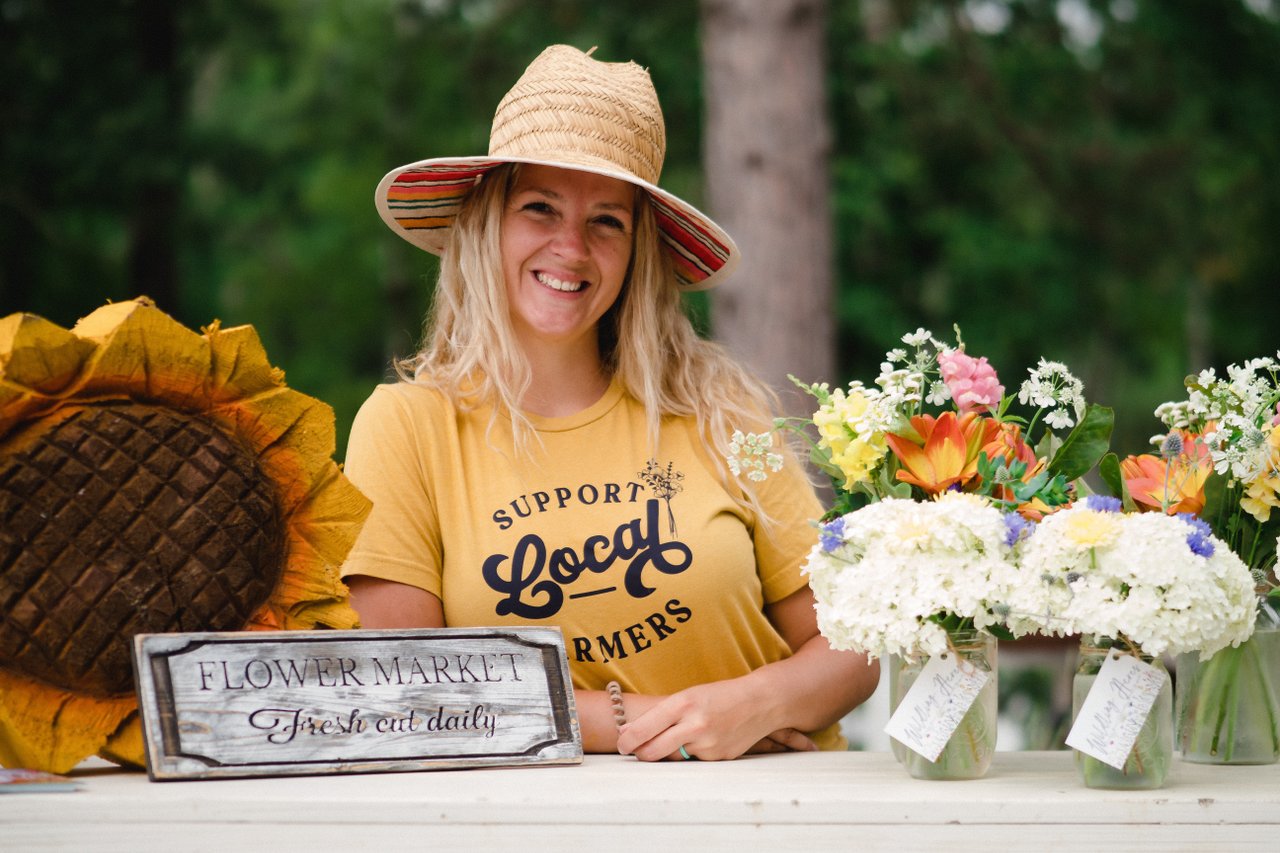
1095	181
767	154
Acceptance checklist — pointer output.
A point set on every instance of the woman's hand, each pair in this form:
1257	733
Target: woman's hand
763	711
712	722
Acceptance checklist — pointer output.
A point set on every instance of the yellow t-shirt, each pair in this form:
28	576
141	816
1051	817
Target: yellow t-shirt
656	577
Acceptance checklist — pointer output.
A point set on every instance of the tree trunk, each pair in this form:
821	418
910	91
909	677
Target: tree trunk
767	148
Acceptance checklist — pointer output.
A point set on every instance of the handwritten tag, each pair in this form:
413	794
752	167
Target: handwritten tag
937	702
1116	709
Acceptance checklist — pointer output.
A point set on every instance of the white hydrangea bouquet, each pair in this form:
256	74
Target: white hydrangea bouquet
1158	584
1220	459
1148	584
898	577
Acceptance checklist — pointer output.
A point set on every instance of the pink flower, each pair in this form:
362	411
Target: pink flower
972	381
1276	420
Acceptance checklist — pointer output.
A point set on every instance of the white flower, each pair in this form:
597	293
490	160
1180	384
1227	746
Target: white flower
751	453
1059	419
1052	385
918	338
1135	576
881	572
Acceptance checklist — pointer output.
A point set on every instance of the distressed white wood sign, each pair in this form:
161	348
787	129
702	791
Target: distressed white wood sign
280	703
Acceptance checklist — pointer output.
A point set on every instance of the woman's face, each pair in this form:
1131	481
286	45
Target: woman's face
566	244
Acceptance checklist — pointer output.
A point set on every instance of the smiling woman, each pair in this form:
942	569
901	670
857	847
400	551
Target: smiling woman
561	382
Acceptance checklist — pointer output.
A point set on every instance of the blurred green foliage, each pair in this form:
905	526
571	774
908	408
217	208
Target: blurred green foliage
1109	201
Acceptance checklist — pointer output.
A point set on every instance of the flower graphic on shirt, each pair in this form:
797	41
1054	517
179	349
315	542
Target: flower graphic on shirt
665	483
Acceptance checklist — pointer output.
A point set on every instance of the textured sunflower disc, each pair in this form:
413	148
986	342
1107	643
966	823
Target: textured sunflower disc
119	519
152	480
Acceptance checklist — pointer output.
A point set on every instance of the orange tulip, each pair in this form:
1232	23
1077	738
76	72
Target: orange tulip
948	454
1172	486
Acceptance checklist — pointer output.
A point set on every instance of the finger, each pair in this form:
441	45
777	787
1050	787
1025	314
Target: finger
793	740
643	729
766	745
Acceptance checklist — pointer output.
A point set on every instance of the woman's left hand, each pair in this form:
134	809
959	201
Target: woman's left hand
712	722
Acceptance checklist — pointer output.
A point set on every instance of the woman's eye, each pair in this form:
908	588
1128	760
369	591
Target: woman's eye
538	207
611	222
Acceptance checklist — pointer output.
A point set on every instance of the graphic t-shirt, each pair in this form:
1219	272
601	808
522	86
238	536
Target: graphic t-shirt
654	574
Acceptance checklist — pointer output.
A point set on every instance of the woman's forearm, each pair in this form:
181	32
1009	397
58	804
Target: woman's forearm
815	687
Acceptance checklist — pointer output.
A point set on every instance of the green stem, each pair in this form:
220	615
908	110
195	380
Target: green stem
1268	691
1231	707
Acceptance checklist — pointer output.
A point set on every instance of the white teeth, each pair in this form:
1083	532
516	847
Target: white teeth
557	284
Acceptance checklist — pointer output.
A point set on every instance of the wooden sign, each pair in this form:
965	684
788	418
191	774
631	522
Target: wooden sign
278	703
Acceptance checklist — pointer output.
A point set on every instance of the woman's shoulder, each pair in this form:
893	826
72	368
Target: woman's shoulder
409	402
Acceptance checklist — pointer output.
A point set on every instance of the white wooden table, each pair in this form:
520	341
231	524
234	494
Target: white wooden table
811	802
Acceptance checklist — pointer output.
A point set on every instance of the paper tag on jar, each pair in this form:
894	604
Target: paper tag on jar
1116	708
937	702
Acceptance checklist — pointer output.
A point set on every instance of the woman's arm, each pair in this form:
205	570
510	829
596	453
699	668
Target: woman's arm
812	689
388	604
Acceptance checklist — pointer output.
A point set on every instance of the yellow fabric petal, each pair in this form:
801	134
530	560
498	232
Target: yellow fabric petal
51	729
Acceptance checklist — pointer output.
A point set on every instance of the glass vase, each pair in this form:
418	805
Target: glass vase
968	752
1229	705
1148	761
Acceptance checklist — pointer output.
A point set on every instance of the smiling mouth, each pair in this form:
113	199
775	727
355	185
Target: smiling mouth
556	284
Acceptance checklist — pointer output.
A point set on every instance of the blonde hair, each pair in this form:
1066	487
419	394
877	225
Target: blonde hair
647	342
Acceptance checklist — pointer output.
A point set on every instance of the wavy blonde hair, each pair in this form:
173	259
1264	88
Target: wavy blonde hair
647	342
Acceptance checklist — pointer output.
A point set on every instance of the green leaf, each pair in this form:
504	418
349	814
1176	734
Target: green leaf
1109	470
1086	444
1000	632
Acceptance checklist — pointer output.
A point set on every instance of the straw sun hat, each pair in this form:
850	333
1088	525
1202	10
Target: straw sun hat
575	112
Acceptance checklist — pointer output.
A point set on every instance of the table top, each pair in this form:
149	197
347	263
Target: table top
776	802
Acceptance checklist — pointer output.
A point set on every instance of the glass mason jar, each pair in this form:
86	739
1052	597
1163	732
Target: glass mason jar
1148	762
968	753
1229	705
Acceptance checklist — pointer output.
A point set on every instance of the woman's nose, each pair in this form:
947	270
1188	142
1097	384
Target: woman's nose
570	241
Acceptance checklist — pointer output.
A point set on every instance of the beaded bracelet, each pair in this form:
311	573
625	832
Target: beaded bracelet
615	699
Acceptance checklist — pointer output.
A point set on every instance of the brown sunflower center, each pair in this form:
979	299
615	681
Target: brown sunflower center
121	519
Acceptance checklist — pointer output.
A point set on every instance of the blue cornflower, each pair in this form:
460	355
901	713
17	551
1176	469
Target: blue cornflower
832	534
1016	528
1197	524
1200	539
1102	503
1200	544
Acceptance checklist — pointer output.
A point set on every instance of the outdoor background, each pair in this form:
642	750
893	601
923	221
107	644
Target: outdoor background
1092	181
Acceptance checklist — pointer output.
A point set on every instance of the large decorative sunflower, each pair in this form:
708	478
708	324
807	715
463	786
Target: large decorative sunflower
151	480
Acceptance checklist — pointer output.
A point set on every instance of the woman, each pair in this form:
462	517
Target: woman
555	455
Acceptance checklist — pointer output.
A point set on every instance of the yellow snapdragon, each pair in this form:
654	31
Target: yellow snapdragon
857	453
1263	494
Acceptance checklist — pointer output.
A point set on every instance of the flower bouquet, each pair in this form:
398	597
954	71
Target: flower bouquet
1146	584
909	580
1220	461
937	419
934	475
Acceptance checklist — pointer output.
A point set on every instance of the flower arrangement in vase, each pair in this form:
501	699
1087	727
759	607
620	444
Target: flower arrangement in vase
934	477
1138	584
1219	461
